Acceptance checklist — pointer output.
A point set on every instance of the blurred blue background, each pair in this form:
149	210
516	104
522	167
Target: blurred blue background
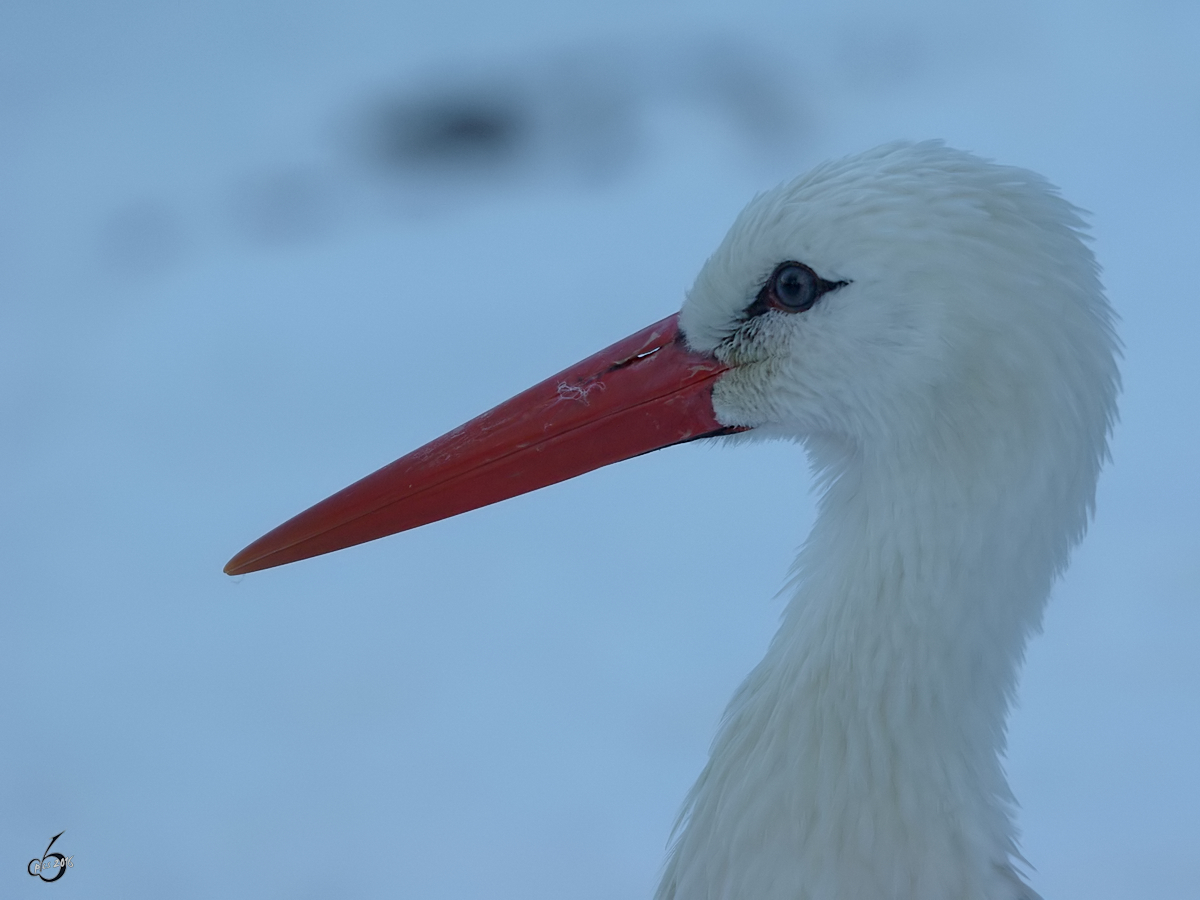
251	252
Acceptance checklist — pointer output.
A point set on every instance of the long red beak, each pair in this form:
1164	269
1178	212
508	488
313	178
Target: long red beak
645	392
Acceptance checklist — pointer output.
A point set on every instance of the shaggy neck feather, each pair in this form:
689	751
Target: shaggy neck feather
871	731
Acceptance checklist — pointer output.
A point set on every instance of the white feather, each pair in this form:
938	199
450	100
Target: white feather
956	399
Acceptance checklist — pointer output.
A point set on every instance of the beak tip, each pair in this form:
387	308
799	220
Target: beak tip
239	565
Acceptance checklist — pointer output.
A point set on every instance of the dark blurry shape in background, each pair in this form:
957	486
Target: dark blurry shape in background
590	114
467	130
442	140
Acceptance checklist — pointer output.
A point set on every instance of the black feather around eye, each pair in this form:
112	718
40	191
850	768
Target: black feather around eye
793	287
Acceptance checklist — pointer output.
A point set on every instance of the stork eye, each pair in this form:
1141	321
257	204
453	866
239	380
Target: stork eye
793	287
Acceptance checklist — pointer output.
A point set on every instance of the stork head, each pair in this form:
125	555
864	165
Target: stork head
906	295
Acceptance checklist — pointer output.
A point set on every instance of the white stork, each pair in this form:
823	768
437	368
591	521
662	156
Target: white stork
931	327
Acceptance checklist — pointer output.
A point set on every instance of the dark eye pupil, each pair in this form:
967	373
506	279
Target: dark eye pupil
795	287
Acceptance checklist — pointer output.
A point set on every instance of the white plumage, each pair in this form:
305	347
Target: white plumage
955	399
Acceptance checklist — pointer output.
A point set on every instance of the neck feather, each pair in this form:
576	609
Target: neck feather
861	758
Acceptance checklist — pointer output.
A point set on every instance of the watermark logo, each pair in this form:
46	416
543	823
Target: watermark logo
39	867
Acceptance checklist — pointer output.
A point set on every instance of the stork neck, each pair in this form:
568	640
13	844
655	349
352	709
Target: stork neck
929	575
861	757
